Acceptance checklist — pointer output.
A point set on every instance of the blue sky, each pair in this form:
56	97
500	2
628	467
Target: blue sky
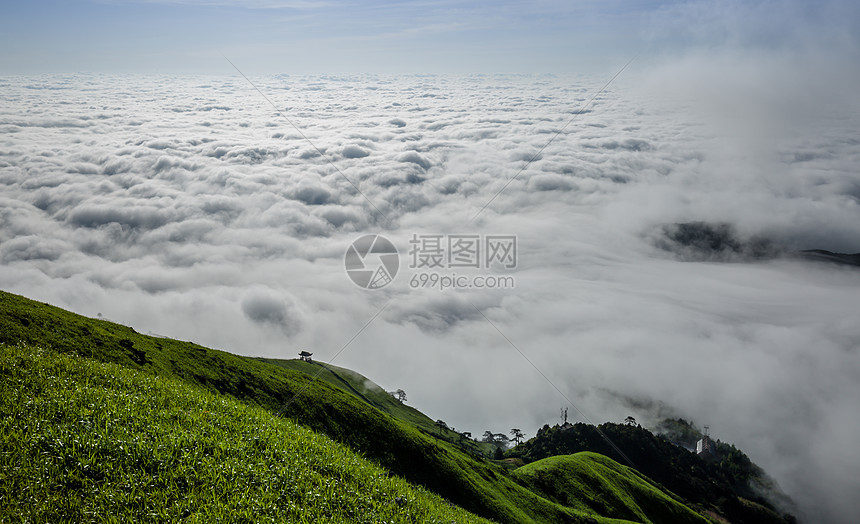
328	36
440	36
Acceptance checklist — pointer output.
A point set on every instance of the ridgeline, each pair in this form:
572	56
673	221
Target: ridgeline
103	423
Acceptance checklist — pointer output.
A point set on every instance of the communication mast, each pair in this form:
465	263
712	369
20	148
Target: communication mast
706	448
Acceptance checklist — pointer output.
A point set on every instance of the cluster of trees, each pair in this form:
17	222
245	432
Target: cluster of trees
495	438
499	439
724	484
517	436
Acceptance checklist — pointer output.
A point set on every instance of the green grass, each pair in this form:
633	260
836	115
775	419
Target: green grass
368	421
85	441
369	392
722	487
594	483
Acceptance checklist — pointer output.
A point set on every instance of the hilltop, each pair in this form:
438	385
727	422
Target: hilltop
156	422
372	394
730	486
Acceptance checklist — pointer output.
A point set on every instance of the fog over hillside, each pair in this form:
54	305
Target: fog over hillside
188	207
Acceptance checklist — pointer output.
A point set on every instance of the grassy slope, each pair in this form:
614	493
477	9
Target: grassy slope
592	482
360	387
367	391
478	485
719	486
85	441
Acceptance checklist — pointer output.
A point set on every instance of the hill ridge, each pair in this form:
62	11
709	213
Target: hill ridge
405	449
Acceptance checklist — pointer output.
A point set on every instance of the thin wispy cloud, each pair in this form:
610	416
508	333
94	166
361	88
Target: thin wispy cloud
249	4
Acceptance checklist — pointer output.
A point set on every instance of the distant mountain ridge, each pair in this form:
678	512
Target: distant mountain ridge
829	256
731	486
720	242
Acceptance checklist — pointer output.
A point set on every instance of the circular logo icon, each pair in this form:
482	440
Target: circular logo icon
371	261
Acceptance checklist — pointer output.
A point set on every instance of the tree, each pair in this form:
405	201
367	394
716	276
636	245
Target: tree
501	438
518	436
441	424
399	395
630	421
543	430
489	436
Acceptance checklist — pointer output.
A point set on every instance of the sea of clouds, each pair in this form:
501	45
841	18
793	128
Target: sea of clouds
189	207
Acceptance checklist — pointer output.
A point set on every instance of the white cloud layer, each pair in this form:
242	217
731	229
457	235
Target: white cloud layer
186	207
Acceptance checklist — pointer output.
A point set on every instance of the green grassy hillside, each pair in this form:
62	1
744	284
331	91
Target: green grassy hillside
592	482
373	424
723	486
477	485
369	392
84	441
